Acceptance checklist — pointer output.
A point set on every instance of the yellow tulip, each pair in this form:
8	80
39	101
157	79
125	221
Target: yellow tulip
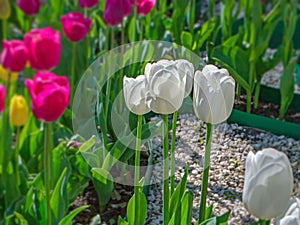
5	9
4	74
18	111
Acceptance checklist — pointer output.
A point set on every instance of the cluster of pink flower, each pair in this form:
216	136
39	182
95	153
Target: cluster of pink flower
49	92
41	48
114	17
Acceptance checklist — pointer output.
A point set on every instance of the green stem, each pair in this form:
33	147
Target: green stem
205	174
5	151
249	99
238	91
137	169
73	72
16	155
256	94
162	6
4	29
166	194
264	222
173	145
134	37
47	170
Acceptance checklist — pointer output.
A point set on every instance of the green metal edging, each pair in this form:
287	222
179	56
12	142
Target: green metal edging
274	126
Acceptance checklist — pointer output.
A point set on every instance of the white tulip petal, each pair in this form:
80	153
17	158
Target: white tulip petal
292	214
135	94
166	93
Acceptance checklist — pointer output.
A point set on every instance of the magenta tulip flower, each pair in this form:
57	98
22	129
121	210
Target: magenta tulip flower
29	7
2	97
88	3
44	48
14	55
115	11
49	95
145	6
75	26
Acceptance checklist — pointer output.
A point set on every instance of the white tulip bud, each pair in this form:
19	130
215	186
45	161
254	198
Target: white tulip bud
214	91
268	183
134	90
166	87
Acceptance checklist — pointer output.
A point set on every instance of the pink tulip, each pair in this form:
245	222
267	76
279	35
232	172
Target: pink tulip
88	3
145	6
14	55
115	11
75	26
2	97
49	95
29	7
44	48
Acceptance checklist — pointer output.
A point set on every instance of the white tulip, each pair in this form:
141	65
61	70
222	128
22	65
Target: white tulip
268	183
291	215
134	90
213	94
185	70
166	87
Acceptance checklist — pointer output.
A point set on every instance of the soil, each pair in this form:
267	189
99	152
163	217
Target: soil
267	109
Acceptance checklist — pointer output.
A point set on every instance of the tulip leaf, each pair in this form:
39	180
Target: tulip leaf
58	201
218	220
183	212
206	30
178	193
67	220
187	39
141	210
287	84
121	221
103	182
236	61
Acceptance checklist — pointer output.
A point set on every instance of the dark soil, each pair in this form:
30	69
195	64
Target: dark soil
116	207
267	109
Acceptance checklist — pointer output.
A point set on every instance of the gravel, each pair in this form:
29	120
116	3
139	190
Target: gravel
230	145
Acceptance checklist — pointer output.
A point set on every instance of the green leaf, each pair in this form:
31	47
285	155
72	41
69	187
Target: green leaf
142	210
183	213
208	212
178	193
207	29
287	83
236	61
121	221
58	199
67	220
219	220
86	146
21	220
103	182
187	39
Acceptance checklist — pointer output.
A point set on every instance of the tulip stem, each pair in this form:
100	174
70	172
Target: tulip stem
47	170
73	72
137	169
205	174
4	29
16	155
6	145
264	222
166	195
173	145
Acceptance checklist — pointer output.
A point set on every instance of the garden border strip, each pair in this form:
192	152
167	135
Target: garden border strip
274	126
